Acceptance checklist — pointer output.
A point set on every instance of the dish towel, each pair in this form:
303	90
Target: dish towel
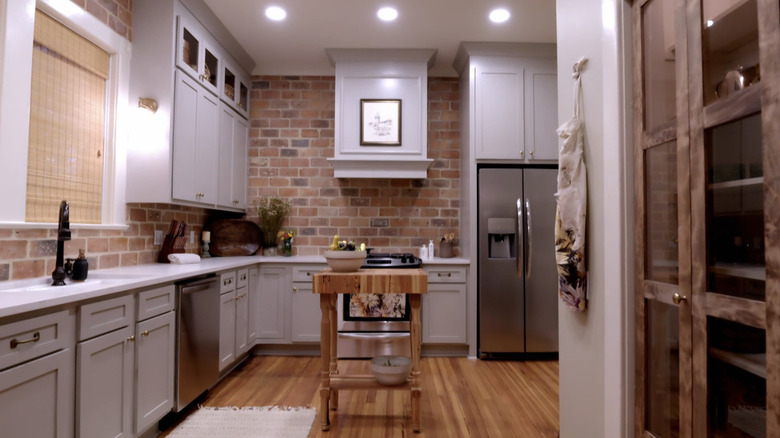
183	258
572	201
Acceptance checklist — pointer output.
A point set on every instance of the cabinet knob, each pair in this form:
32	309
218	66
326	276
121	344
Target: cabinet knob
131	339
532	152
295	289
677	298
235	202
145	333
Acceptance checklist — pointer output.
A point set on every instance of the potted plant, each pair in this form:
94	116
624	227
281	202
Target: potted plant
446	246
271	212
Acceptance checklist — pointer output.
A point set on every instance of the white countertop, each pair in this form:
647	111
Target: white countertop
22	296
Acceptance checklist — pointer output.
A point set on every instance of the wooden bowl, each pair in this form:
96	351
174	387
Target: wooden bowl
345	261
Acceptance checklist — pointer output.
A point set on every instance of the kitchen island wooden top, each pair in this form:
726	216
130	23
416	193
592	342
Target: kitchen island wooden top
378	281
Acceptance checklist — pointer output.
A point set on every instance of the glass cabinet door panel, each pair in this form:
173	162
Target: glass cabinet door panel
190	49
661	198
735	209
663	370
730	47
736	379
658	39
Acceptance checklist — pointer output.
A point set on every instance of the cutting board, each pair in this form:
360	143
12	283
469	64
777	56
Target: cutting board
234	237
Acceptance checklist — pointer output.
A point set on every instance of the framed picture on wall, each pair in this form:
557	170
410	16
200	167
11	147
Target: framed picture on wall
380	122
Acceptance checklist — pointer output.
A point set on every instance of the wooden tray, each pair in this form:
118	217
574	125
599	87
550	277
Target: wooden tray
234	237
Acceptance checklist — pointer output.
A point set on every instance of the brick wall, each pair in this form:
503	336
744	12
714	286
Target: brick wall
116	14
292	135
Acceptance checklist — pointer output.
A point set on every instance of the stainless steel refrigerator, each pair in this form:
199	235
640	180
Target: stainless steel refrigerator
518	299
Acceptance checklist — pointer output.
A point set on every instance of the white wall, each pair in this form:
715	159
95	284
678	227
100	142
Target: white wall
596	346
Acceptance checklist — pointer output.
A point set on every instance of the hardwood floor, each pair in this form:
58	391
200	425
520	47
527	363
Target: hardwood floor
461	397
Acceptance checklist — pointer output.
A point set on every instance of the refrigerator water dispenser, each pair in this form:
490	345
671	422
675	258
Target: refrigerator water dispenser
501	238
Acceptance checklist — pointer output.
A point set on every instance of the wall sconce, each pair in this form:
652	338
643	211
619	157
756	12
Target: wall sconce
147	103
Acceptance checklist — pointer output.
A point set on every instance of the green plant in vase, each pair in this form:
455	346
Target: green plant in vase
271	212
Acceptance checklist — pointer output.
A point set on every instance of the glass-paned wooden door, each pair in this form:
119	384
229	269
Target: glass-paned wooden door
663	353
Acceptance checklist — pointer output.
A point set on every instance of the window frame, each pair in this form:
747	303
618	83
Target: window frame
16	41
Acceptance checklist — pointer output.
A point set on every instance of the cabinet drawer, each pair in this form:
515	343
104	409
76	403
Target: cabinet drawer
155	302
243	278
306	272
227	282
449	274
34	337
104	316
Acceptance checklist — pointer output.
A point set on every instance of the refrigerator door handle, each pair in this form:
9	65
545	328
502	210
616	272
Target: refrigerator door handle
520	238
529	238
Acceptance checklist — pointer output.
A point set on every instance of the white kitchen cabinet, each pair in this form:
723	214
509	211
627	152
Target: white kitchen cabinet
512	111
233	317
173	156
37	383
274	286
195	142
235	89
444	306
305	305
196	54
104	382
233	141
155	355
253	306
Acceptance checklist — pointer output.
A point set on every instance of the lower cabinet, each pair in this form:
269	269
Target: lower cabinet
234	318
227	329
155	362
270	309
305	305
444	306
104	382
36	398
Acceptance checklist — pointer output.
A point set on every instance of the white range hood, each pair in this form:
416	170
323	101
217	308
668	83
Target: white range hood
379	80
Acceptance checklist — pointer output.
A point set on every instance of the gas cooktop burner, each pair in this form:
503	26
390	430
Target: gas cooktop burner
391	260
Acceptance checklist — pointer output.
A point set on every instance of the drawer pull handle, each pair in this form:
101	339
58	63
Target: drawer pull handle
145	333
15	342
131	339
308	274
449	274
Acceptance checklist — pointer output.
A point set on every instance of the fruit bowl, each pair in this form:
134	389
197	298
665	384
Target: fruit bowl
391	370
345	261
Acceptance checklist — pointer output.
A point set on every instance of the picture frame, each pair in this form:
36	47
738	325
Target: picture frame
380	122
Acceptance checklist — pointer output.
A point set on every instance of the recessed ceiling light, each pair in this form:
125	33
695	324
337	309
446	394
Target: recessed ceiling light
275	13
387	14
499	15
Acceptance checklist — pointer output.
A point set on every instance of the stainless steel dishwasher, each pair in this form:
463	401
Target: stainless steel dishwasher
197	338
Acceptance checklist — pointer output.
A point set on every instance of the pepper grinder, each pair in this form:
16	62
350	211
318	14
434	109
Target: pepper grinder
80	267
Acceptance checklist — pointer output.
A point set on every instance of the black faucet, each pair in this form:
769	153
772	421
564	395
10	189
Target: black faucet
63	234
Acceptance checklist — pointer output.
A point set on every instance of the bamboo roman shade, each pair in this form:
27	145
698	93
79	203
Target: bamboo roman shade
67	124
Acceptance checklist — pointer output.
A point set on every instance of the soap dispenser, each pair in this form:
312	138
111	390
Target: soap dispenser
80	267
430	249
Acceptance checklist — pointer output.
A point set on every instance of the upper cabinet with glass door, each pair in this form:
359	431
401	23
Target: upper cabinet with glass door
235	89
196	54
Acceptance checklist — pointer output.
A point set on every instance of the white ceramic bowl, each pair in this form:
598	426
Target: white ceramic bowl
345	261
391	370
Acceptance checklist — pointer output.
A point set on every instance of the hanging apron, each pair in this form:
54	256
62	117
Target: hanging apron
571	213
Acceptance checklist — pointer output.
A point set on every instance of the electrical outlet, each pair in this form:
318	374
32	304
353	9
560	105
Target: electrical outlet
158	237
192	237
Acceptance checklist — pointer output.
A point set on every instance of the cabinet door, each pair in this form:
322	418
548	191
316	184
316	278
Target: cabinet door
233	139
444	314
227	329
541	117
195	142
273	284
499	111
306	313
37	397
242	315
104	383
197	55
253	304
155	355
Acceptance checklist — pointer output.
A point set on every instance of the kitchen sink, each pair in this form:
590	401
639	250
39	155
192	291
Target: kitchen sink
43	284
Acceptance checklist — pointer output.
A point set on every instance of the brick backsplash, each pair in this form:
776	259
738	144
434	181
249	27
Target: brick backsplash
30	253
292	135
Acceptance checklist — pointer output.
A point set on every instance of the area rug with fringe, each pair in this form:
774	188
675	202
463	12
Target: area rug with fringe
246	422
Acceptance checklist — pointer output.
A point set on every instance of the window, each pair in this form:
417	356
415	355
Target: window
62	127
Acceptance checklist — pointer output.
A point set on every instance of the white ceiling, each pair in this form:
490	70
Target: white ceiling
296	46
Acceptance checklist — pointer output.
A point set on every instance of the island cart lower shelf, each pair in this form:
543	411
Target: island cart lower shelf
328	285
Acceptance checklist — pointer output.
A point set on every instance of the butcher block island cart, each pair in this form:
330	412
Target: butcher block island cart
328	285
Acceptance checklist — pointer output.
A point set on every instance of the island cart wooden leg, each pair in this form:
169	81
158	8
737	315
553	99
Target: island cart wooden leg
334	365
414	301
325	361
